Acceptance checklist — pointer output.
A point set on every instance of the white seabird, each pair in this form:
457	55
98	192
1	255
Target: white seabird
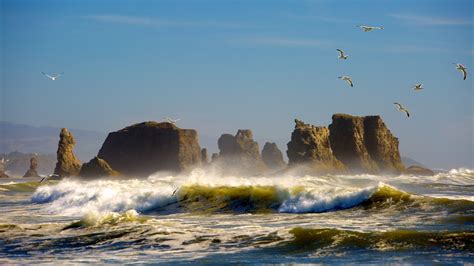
402	109
53	77
348	79
172	121
342	55
369	28
418	87
463	69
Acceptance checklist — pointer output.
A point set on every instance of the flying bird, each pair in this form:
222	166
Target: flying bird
402	109
418	87
172	121
463	69
348	79
369	28
53	77
342	55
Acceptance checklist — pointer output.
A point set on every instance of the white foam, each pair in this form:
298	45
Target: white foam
318	193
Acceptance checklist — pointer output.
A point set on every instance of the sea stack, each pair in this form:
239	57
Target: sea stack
364	144
240	154
272	156
145	148
32	171
310	148
2	170
204	159
97	167
67	163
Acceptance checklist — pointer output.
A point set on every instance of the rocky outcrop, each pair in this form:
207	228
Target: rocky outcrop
214	157
2	169
364	144
204	159
97	168
240	154
148	147
272	156
32	171
419	171
67	163
310	147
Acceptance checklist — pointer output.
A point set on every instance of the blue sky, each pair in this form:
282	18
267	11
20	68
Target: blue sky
225	65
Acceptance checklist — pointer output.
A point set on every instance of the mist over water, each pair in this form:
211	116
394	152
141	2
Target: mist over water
202	216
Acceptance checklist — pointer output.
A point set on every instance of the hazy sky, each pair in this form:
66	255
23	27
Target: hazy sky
225	65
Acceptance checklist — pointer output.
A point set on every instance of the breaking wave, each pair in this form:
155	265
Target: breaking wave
200	193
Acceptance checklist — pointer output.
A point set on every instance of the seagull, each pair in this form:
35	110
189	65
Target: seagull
53	77
418	87
348	79
172	121
402	109
463	69
342	55
46	177
369	28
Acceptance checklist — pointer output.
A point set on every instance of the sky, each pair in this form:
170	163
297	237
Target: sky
223	65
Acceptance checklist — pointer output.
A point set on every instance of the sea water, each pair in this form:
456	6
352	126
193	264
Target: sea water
203	217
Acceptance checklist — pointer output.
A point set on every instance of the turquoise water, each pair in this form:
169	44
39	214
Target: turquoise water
202	217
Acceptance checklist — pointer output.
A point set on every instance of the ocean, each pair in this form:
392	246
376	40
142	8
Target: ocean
204	218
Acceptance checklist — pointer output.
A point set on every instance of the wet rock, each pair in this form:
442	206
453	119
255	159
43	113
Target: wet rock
310	147
145	148
272	156
67	163
32	171
97	168
240	154
419	171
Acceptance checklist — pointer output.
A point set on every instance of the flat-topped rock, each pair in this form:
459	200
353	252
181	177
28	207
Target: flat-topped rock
145	148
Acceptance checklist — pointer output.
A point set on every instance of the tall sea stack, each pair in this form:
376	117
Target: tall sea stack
32	171
67	164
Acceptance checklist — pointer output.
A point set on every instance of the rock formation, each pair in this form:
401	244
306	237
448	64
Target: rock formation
419	171
32	172
214	157
272	156
97	168
2	169
240	154
148	147
364	144
67	164
204	159
310	146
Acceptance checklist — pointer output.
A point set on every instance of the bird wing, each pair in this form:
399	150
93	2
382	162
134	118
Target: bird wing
398	105
464	72
406	111
341	52
350	82
47	75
